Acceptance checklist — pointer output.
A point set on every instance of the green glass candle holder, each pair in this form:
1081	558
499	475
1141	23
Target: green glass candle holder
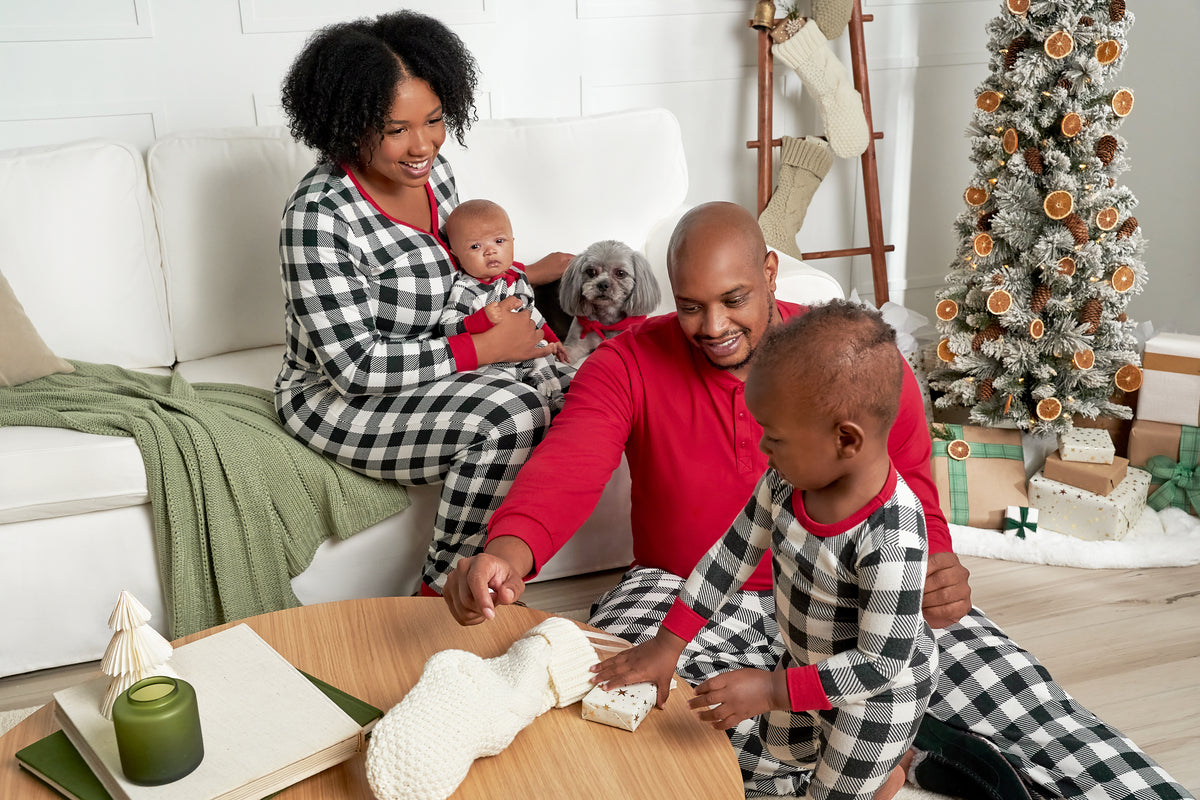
157	724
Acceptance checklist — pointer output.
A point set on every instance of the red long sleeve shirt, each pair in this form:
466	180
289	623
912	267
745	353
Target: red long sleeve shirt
692	447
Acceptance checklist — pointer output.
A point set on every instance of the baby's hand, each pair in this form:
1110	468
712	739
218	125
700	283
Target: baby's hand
496	311
558	350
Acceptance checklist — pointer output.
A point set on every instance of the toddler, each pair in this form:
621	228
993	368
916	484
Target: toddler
480	237
847	539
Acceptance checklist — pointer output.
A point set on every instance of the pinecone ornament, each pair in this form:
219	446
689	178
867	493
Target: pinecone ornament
1106	148
1064	83
1033	159
985	389
1122	317
1087	22
1127	228
1090	313
1015	47
988	334
1041	296
1079	228
1116	10
984	223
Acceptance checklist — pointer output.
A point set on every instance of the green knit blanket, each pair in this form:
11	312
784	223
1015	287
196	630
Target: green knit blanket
239	505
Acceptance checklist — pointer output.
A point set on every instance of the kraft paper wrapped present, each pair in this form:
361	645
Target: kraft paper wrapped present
1085	515
623	708
1171	380
1092	445
979	473
1171	454
1099	479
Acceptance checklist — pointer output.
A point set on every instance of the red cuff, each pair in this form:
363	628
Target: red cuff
463	350
427	591
683	621
805	692
477	322
548	335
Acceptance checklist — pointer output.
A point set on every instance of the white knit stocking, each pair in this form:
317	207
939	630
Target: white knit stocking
465	707
804	164
822	74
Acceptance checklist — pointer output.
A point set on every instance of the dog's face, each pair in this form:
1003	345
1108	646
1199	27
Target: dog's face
607	282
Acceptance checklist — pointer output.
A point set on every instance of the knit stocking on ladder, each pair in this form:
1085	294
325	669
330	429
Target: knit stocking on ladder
465	707
840	104
804	164
832	16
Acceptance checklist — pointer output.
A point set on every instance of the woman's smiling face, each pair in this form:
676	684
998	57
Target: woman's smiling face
412	136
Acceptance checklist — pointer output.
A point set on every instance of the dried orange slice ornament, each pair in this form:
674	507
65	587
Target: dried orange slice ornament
988	101
1009	141
1084	359
1107	218
1107	51
1017	6
975	196
946	310
1071	124
944	352
982	244
1066	266
1049	409
1059	45
959	449
1128	378
999	301
1122	103
1122	279
1037	329
1058	204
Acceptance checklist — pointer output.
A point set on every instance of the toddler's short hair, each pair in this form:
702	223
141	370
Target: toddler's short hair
841	356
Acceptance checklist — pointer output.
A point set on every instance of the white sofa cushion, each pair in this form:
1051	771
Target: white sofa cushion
79	246
219	196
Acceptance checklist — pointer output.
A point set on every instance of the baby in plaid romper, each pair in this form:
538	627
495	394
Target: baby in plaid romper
847	538
481	239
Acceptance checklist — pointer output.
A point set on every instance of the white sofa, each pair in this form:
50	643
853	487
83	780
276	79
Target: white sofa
170	262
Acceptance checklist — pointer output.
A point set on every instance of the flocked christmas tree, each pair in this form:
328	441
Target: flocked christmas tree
1032	319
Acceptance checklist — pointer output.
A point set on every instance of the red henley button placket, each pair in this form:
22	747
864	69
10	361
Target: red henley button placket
745	439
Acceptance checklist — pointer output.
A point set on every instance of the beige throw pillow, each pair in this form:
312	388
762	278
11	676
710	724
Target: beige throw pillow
23	354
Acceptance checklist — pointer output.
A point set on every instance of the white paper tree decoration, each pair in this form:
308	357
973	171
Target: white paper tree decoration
135	651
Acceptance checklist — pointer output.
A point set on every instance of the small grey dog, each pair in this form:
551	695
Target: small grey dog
605	289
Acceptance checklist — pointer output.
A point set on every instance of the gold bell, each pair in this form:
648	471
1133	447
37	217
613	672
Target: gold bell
764	15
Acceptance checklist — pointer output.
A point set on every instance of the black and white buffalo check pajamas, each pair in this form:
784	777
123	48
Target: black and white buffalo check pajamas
469	295
368	378
848	606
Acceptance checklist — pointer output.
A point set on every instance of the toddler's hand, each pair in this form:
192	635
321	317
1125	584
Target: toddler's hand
728	698
651	662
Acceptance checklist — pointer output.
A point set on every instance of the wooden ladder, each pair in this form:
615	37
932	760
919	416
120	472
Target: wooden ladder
870	170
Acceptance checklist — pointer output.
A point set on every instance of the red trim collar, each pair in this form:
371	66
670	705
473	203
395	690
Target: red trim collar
850	522
587	326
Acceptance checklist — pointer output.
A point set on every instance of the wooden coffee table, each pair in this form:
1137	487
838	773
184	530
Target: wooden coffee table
376	649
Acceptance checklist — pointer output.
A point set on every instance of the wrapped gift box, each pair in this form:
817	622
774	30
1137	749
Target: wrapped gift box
1087	515
1020	521
1099	479
1091	445
1160	449
979	473
1171	380
623	708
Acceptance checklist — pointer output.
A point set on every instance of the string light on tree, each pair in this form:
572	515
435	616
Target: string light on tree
1049	252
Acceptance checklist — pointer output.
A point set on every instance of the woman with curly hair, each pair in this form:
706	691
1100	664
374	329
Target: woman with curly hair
367	377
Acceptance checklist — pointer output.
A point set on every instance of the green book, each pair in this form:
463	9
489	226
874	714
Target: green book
56	761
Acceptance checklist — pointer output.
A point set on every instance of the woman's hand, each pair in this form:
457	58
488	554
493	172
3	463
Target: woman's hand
652	661
726	699
514	337
548	269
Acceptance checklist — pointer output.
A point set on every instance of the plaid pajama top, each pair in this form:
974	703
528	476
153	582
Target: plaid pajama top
847	595
364	292
469	295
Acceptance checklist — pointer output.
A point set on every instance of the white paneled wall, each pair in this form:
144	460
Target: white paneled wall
137	69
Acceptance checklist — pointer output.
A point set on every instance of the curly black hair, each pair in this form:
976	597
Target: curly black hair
341	86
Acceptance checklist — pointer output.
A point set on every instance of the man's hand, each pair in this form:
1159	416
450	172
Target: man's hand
548	269
478	584
727	699
653	662
947	596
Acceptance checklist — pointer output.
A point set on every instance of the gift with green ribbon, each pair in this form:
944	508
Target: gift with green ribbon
1171	453
979	473
1020	520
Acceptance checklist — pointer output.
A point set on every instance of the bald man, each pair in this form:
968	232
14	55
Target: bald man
670	395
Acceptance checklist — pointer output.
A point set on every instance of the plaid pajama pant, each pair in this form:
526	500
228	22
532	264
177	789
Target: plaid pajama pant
986	684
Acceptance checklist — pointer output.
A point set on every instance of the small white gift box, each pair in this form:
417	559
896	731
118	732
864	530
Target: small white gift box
1086	515
623	708
1092	445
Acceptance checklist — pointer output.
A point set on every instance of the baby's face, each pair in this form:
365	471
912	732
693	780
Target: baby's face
483	245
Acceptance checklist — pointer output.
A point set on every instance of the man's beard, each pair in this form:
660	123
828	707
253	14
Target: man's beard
753	348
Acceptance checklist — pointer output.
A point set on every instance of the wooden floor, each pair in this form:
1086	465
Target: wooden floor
1126	643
